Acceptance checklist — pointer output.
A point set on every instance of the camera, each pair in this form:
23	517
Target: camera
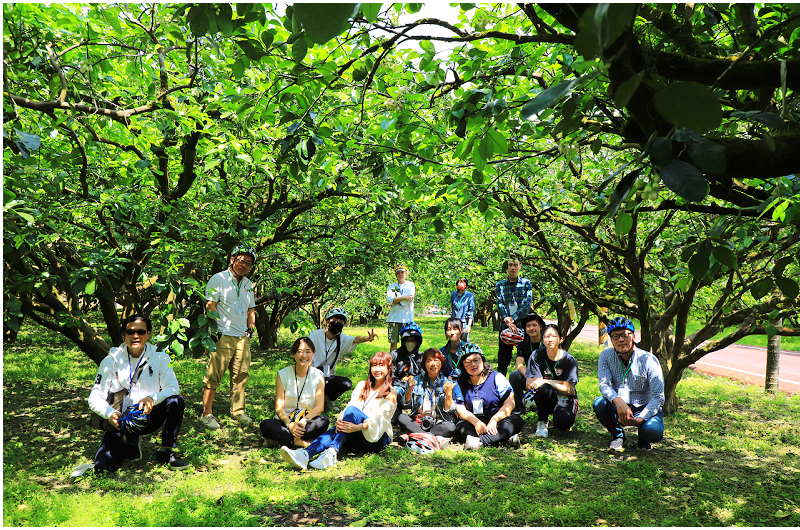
427	422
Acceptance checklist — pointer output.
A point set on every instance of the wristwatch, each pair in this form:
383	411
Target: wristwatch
249	333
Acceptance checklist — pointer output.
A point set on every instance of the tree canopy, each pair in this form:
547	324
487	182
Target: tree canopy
641	159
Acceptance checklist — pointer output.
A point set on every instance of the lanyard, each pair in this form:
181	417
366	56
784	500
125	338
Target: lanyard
553	368
305	380
237	285
625	374
458	299
130	366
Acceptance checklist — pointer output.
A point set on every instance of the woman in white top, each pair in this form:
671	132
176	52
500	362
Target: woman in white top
364	426
299	400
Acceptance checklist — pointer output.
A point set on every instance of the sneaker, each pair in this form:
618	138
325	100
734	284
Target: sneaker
325	460
644	445
541	429
514	441
616	444
169	458
210	422
473	442
269	442
244	419
298	458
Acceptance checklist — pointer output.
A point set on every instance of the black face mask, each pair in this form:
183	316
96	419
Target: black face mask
335	327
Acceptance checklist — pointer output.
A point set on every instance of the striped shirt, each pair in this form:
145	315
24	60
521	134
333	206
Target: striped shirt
644	380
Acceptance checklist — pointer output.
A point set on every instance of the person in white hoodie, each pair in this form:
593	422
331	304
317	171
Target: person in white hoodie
149	385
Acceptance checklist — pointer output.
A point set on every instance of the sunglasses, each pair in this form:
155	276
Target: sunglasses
136	332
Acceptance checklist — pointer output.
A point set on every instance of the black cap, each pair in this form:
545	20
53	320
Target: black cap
532	316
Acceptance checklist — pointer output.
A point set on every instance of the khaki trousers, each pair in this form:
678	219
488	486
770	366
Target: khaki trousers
233	353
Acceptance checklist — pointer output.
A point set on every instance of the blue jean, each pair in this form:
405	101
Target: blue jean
652	430
354	441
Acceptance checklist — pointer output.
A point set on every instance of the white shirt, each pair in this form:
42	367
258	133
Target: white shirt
303	387
325	349
233	301
402	312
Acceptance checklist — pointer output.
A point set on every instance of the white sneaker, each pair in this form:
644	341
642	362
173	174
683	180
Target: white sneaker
244	419
541	429
325	460
473	442
210	422
514	441
298	458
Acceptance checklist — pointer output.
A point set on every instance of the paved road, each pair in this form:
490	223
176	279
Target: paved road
745	363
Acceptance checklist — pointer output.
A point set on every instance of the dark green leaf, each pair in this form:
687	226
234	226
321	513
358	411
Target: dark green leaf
700	262
300	48
251	49
596	145
708	156
660	151
223	19
370	11
548	98
621	192
725	256
712	15
198	21
323	22
689	104
788	287
624	223
773	121
685	180
477	177
780	265
626	90
267	37
238	68
486	148
438	225
761	288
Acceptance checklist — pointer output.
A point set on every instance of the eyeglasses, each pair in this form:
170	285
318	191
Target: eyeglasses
618	336
136	332
473	361
245	262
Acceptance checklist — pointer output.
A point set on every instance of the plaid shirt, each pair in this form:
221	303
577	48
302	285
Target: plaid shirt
645	380
507	293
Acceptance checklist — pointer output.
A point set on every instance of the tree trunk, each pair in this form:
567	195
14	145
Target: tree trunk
771	381
569	338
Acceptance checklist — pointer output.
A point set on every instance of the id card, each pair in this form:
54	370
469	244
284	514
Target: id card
239	305
624	393
512	309
127	401
326	370
477	407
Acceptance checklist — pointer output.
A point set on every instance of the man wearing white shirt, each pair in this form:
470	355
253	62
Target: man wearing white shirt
400	296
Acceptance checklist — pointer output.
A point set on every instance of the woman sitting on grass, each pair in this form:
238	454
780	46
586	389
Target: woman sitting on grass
299	401
486	405
430	397
364	426
552	375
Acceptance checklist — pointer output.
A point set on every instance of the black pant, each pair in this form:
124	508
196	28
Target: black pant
517	381
113	448
504	353
506	428
276	430
445	429
546	398
335	386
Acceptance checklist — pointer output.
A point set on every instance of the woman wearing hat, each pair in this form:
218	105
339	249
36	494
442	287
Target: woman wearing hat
299	401
486	405
533	325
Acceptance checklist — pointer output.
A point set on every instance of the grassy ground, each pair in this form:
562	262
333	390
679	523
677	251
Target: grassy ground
731	456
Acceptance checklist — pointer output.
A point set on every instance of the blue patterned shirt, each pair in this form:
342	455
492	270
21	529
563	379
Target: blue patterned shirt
508	293
644	379
462	307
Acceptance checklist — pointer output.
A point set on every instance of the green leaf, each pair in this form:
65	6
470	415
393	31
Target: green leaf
223	19
438	225
176	347
621	192
725	256
597	144
548	97
323	22
660	151
708	156
624	223
486	148
90	287
251	49
685	180
700	262
499	143
198	21
761	288
769	119
477	177
788	287
780	265
360	522
626	90
238	68
370	11
267	37
689	104
300	48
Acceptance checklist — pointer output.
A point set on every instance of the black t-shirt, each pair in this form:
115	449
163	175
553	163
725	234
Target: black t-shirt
525	348
405	363
540	366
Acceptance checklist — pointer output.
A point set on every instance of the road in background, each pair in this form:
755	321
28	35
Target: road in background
744	363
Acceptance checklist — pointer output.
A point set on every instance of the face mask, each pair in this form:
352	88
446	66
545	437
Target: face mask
335	327
410	345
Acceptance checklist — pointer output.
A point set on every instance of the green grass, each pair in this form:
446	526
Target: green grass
731	457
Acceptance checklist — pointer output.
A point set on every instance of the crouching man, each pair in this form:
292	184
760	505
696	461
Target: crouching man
141	380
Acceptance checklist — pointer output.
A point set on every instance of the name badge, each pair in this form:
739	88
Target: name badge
127	401
326	370
624	393
512	308
477	407
239	305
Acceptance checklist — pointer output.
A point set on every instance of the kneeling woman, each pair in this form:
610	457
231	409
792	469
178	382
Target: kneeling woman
364	426
430	397
299	401
485	405
552	375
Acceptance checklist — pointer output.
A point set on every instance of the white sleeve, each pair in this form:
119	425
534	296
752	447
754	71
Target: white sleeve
106	373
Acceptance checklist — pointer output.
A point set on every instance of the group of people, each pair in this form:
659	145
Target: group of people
450	392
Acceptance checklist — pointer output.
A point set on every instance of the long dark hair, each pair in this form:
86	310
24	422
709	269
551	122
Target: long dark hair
385	359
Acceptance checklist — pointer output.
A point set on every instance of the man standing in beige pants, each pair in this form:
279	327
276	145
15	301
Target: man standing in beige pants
230	294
